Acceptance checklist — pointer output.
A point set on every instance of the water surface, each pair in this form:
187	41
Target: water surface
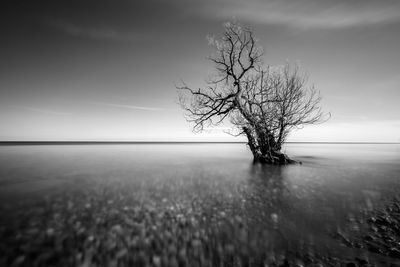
335	182
352	168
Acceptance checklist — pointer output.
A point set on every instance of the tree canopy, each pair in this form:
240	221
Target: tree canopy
262	102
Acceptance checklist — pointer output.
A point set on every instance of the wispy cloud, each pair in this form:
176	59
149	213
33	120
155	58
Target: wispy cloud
127	106
45	111
94	32
308	14
351	117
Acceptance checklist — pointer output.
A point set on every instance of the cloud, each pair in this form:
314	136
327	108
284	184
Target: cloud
309	14
350	131
98	33
217	128
128	106
45	111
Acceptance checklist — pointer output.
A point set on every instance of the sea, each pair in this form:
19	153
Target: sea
334	183
350	168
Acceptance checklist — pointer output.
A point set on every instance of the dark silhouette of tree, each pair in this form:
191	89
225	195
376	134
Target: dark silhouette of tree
262	103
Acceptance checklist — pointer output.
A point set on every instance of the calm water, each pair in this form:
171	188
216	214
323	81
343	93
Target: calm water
350	168
331	174
335	181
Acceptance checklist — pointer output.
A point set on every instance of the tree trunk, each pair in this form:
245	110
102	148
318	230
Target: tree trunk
276	158
265	149
252	143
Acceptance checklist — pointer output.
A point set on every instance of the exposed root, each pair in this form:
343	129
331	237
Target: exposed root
275	158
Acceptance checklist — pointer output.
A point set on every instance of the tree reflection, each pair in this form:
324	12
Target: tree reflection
268	189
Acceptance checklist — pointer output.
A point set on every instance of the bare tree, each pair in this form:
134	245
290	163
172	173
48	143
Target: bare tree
262	103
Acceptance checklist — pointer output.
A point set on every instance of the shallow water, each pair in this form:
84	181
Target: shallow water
335	182
332	176
350	168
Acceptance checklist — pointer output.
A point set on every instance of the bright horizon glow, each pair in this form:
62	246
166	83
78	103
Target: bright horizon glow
361	132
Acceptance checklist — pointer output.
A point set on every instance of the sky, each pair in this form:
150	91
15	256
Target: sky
106	70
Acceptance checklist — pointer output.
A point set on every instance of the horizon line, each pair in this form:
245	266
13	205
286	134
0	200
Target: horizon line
82	142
